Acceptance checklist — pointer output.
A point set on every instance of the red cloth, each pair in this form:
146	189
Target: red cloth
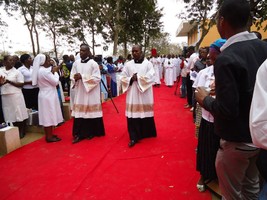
182	64
153	52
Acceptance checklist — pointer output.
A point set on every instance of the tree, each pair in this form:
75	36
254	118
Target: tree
109	11
140	22
129	21
199	12
54	15
259	13
163	46
29	10
84	20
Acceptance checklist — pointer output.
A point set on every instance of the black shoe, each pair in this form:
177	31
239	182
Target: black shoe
132	143
76	140
52	139
90	137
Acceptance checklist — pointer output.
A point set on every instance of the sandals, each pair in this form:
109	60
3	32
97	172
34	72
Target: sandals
201	185
201	188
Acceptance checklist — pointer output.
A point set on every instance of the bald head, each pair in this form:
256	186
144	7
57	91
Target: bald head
137	52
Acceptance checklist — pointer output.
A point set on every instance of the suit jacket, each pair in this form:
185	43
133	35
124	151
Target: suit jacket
235	73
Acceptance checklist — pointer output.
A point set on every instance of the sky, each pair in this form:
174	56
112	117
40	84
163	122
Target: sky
170	21
19	38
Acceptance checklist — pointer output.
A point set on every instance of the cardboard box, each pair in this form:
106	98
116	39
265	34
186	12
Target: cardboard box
9	139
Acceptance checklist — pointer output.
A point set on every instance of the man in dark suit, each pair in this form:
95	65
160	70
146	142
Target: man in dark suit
235	72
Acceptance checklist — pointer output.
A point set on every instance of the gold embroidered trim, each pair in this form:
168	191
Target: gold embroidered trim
139	108
87	108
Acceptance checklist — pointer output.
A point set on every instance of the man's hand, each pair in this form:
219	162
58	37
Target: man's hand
55	69
134	77
2	80
200	94
212	88
77	76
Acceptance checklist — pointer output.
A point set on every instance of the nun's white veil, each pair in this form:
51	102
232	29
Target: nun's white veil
38	61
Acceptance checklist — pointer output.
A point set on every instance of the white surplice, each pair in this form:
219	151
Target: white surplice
87	99
49	110
139	100
169	77
156	64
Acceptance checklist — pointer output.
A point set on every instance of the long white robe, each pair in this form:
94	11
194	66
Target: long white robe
174	69
49	110
156	64
87	98
139	100
169	77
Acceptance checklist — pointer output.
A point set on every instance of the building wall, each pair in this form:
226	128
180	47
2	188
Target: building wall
213	35
264	34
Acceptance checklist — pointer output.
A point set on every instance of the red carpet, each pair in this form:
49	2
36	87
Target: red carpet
104	168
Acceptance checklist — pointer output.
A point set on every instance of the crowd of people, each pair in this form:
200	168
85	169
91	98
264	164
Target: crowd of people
231	132
217	82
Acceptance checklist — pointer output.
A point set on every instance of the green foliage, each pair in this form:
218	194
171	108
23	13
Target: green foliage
199	12
163	46
117	21
140	20
259	11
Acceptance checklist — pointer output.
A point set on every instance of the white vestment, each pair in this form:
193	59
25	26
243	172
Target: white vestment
169	77
139	100
156	64
49	110
174	69
177	62
87	98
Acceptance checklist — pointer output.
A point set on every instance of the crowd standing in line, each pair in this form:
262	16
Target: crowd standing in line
208	141
235	72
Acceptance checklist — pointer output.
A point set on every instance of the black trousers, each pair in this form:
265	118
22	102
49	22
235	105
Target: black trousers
84	128
189	92
140	128
31	98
